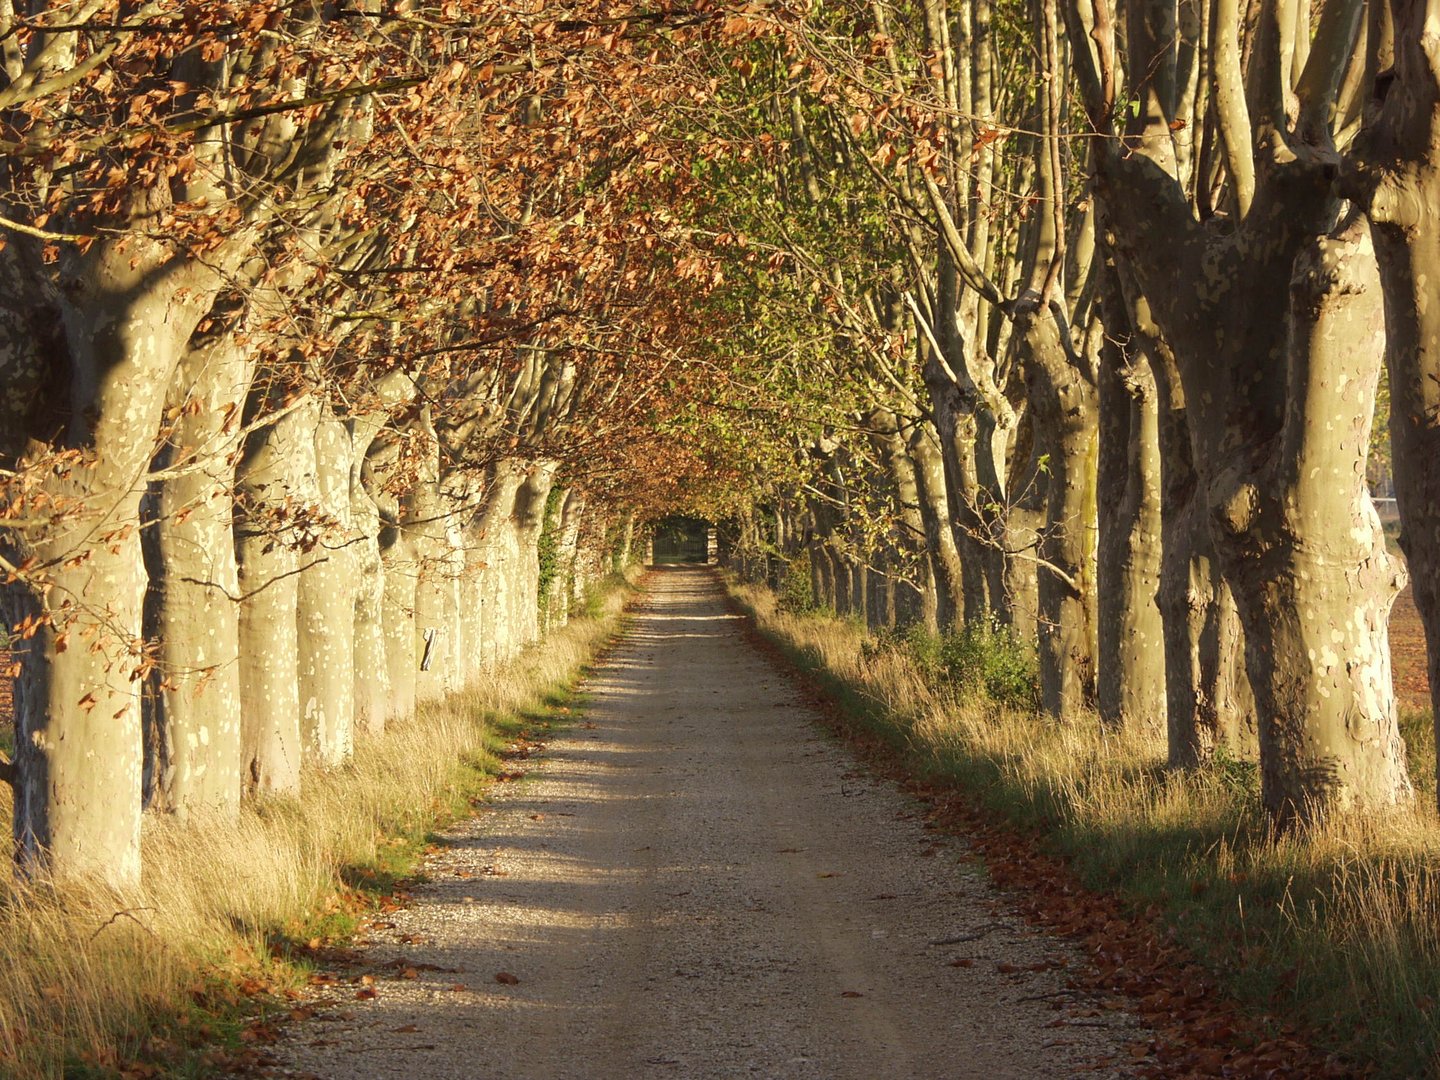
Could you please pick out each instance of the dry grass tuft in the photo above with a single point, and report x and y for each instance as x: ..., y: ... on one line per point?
x: 91, y: 980
x: 1338, y: 927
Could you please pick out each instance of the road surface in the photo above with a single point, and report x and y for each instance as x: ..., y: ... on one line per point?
x: 698, y: 881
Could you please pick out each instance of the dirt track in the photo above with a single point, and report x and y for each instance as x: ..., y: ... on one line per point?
x: 697, y: 883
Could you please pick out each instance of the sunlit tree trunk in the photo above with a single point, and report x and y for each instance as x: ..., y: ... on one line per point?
x: 909, y: 532
x: 1398, y: 179
x: 1063, y: 409
x: 528, y: 522
x: 371, y: 674
x: 1130, y: 643
x: 77, y: 702
x: 945, y: 565
x: 325, y: 598
x: 272, y: 483
x: 561, y: 597
x: 1306, y: 556
x: 196, y: 587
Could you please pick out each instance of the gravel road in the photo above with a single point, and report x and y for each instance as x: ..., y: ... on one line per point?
x: 697, y: 881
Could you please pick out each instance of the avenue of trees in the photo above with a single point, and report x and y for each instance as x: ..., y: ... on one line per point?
x: 320, y: 322
x: 1068, y: 315
x: 314, y: 320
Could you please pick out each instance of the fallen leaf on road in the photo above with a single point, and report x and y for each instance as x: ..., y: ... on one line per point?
x: 851, y: 993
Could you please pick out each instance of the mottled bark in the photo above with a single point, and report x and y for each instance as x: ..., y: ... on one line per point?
x: 1208, y: 703
x: 77, y: 704
x: 1130, y: 653
x: 371, y: 675
x: 496, y: 558
x: 1063, y: 410
x: 271, y: 482
x: 915, y: 595
x: 974, y: 532
x: 1399, y: 180
x: 1218, y: 290
x: 195, y: 587
x: 562, y: 597
x: 945, y: 566
x: 1302, y: 546
x: 435, y: 600
x: 325, y: 597
x: 529, y: 521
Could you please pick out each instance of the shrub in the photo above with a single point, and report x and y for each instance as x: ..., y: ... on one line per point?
x: 796, y: 594
x: 985, y: 658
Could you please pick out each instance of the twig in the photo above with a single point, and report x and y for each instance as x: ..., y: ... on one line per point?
x: 127, y: 913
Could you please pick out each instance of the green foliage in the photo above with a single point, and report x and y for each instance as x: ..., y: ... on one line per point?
x: 1235, y: 775
x: 796, y: 593
x: 549, y: 550
x: 986, y: 658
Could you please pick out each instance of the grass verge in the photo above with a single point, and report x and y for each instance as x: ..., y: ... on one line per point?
x: 1337, y: 929
x: 97, y: 984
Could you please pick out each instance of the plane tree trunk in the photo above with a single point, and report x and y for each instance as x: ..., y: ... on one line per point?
x: 1305, y: 554
x: 1063, y: 405
x: 1208, y: 703
x: 325, y: 598
x: 78, y: 719
x: 945, y: 564
x: 1220, y: 294
x: 271, y: 539
x: 1396, y: 175
x: 1130, y: 653
x: 196, y: 587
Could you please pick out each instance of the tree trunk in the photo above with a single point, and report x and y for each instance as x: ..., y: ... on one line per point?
x: 270, y: 482
x: 435, y: 600
x: 562, y: 597
x: 1130, y: 674
x: 325, y: 598
x: 1208, y: 703
x: 908, y: 532
x: 1400, y: 179
x: 371, y: 674
x: 1229, y: 338
x: 495, y: 559
x: 77, y: 703
x: 196, y: 591
x: 1063, y: 405
x: 1303, y: 548
x: 981, y: 562
x: 529, y: 522
x: 945, y: 566
x: 392, y: 493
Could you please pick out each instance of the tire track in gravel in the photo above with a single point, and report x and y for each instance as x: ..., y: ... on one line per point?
x: 698, y: 882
